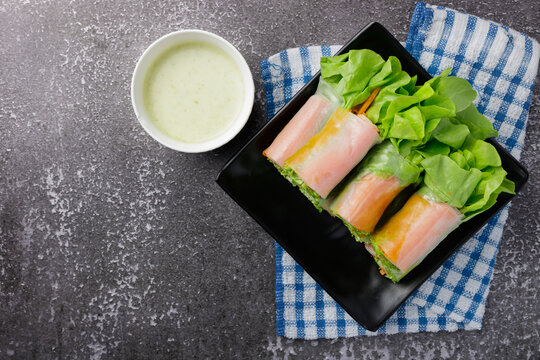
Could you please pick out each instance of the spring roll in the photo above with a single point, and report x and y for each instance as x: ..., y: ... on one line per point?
x: 308, y: 121
x: 454, y: 190
x: 363, y: 202
x: 332, y: 153
x: 412, y: 233
x: 379, y: 178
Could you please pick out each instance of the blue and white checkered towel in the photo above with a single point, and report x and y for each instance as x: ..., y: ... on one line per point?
x: 501, y: 64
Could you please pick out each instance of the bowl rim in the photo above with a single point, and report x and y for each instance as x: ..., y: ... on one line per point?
x: 179, y: 37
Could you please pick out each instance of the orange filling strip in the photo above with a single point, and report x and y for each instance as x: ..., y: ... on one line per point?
x: 365, y: 106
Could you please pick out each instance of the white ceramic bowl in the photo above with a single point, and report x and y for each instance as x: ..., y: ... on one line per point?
x: 155, y: 50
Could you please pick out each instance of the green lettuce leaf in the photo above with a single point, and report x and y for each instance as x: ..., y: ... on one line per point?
x: 331, y: 68
x: 400, y: 103
x: 434, y: 82
x: 485, y: 195
x: 483, y: 154
x: 458, y: 90
x: 479, y: 127
x: 406, y: 147
x: 438, y: 106
x: 350, y: 74
x: 387, y: 94
x: 385, y: 160
x: 450, y: 134
x: 461, y: 94
x: 460, y: 159
x: 432, y: 148
x: 469, y: 157
x: 408, y: 124
x: 448, y: 181
x: 390, y: 73
x: 415, y: 157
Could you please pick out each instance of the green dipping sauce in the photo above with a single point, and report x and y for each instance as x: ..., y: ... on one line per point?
x: 193, y: 92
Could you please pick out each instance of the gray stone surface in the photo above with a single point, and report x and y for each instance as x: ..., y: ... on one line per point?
x: 112, y: 246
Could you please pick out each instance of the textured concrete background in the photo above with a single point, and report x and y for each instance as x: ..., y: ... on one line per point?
x: 112, y: 246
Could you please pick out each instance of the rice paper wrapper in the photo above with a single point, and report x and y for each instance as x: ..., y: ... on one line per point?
x: 412, y: 233
x: 308, y: 121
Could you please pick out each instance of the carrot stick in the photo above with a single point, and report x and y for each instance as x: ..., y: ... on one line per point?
x: 367, y: 103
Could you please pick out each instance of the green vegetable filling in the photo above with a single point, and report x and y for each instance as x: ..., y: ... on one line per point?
x: 289, y: 174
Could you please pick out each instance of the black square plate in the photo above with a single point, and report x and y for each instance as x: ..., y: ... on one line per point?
x: 320, y: 243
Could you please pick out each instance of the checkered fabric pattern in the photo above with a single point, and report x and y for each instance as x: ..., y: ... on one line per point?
x: 501, y: 64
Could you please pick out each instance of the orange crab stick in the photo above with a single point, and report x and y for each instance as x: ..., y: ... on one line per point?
x: 414, y: 231
x: 363, y: 202
x: 308, y: 121
x: 333, y: 152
